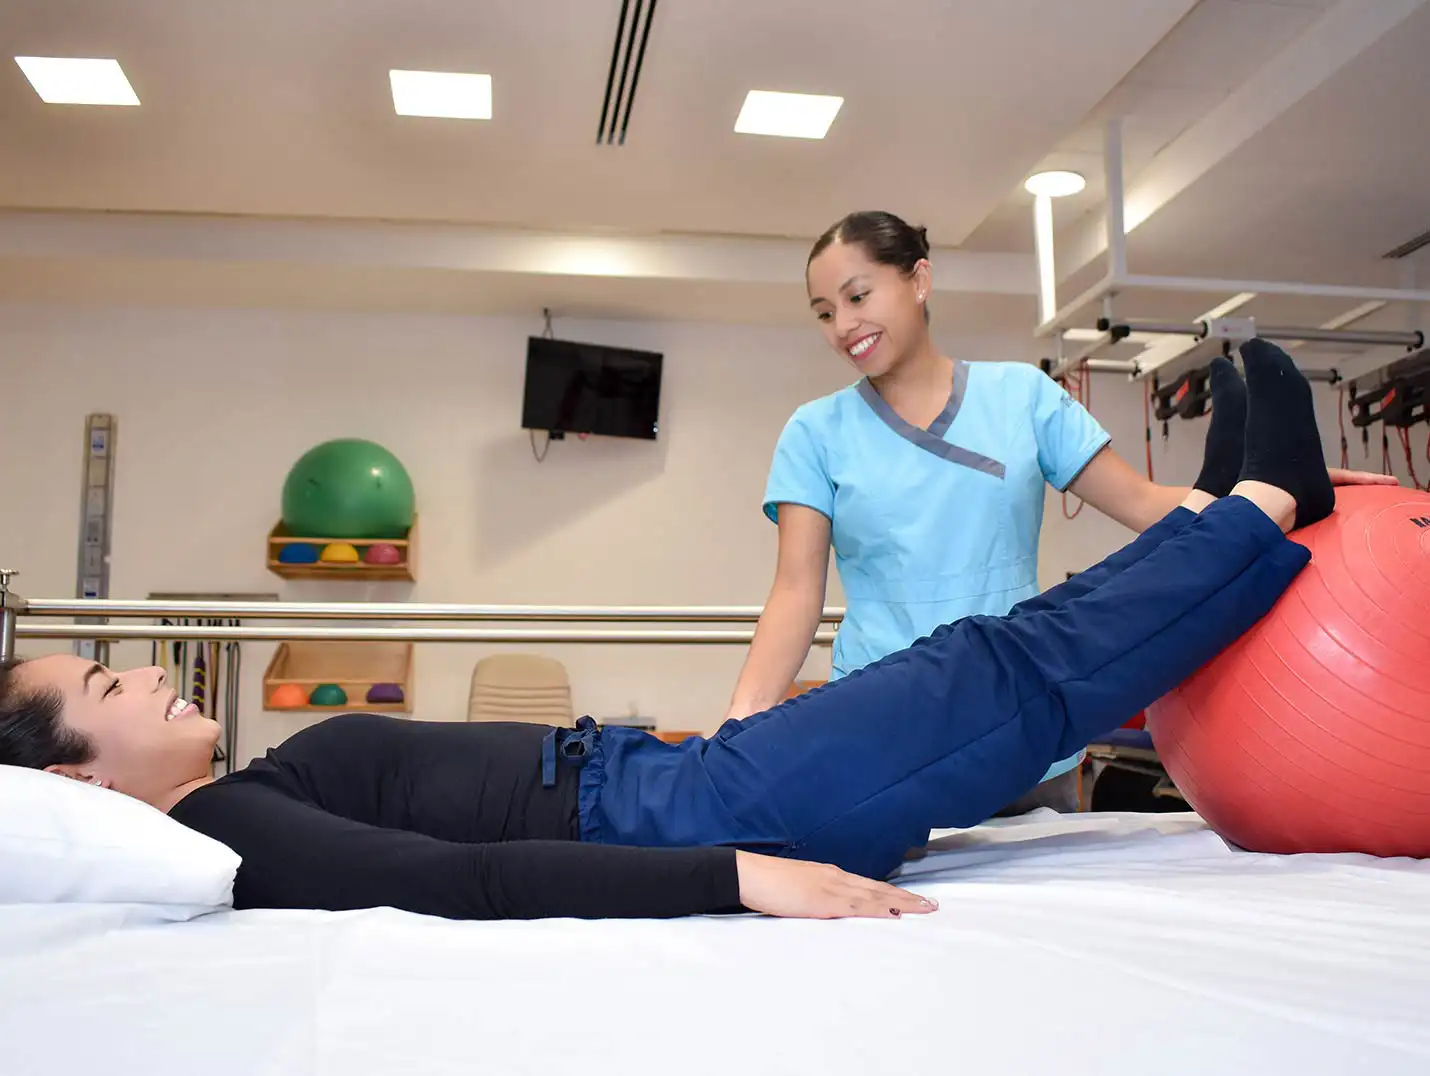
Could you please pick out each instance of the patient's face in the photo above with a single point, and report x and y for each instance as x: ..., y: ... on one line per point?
x: 147, y: 739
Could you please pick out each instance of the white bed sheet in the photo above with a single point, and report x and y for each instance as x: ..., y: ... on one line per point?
x: 1107, y: 944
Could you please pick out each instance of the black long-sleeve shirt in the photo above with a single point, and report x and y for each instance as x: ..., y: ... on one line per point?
x: 441, y: 818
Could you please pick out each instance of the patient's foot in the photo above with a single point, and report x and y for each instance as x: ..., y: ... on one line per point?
x: 1226, y: 437
x: 1283, y: 445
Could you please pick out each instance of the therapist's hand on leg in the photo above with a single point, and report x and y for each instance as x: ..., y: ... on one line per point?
x: 795, y: 889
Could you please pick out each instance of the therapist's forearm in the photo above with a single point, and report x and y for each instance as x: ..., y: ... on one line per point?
x: 1111, y: 486
x: 779, y: 649
x: 1155, y: 503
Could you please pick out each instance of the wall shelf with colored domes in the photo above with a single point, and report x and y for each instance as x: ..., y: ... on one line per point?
x: 338, y: 677
x: 349, y: 512
x: 294, y: 556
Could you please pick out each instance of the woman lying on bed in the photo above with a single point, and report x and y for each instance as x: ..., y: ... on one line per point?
x: 797, y: 811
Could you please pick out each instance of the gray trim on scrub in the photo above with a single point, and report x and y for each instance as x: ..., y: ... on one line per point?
x: 931, y: 439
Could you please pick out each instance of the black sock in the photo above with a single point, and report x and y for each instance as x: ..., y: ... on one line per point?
x: 1226, y: 437
x: 1283, y: 445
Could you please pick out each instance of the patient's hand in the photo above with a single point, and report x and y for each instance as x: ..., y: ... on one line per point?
x: 794, y: 889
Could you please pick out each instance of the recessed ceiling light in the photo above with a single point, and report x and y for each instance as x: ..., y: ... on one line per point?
x: 1055, y: 184
x: 446, y: 94
x: 787, y: 115
x: 68, y: 81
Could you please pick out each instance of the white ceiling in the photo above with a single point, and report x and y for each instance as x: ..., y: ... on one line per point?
x: 282, y: 108
x: 271, y: 116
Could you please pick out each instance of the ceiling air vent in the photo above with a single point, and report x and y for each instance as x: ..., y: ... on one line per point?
x: 1409, y: 247
x: 626, y: 57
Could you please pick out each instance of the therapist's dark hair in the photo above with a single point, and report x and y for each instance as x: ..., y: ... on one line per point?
x: 33, y: 733
x: 885, y: 238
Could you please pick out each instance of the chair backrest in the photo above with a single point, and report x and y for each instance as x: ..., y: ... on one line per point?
x: 520, y: 687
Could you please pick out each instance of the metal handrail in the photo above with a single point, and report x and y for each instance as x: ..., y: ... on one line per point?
x: 405, y: 611
x: 283, y: 633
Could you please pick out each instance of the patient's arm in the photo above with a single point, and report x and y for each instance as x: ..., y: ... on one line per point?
x: 298, y: 856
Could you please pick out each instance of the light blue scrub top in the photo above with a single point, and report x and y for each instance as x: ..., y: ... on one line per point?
x: 929, y: 526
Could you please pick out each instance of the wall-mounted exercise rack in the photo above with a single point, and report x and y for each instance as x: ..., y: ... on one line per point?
x: 96, y: 527
x: 209, y: 674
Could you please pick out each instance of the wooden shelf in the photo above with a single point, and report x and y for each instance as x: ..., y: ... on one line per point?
x: 800, y: 687
x: 673, y: 735
x: 299, y: 668
x: 404, y: 569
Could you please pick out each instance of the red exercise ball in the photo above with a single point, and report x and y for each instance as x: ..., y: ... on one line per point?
x: 1312, y: 732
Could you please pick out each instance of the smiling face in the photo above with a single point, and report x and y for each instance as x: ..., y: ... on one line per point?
x: 871, y: 313
x: 146, y: 740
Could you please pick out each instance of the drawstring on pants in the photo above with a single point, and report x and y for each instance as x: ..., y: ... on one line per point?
x: 573, y: 746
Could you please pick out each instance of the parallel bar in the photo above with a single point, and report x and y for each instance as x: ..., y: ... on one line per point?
x: 1283, y: 332
x: 1350, y: 317
x: 1061, y: 319
x: 1163, y: 328
x: 280, y: 633
x: 1172, y: 350
x: 398, y: 611
x: 1083, y: 336
x: 1112, y: 366
x: 1341, y: 336
x: 1275, y: 287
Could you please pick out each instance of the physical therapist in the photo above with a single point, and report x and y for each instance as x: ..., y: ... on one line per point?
x: 927, y: 477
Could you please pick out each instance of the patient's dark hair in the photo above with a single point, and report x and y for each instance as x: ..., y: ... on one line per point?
x: 32, y: 728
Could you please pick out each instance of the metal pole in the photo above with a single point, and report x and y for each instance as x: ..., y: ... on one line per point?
x: 10, y: 606
x: 1061, y: 319
x: 1116, y: 194
x: 1278, y: 332
x: 282, y: 633
x: 1043, y: 245
x: 1112, y: 366
x: 1342, y: 336
x: 234, y: 610
x: 1085, y: 353
x: 1127, y: 326
x: 1275, y: 287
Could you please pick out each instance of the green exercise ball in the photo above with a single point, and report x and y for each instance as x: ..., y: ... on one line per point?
x: 348, y: 488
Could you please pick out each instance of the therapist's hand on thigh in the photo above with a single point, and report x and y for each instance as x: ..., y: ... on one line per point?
x: 795, y: 889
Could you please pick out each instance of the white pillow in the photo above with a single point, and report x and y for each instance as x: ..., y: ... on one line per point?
x: 64, y: 841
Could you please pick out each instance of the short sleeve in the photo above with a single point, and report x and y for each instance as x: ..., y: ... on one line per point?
x: 1068, y: 436
x: 798, y: 474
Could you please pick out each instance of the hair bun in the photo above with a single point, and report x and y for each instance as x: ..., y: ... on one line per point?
x: 923, y: 234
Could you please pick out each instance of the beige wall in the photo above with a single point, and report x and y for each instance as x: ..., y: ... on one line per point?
x: 214, y: 406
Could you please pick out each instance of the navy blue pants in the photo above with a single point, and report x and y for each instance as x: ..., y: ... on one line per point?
x: 946, y: 732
